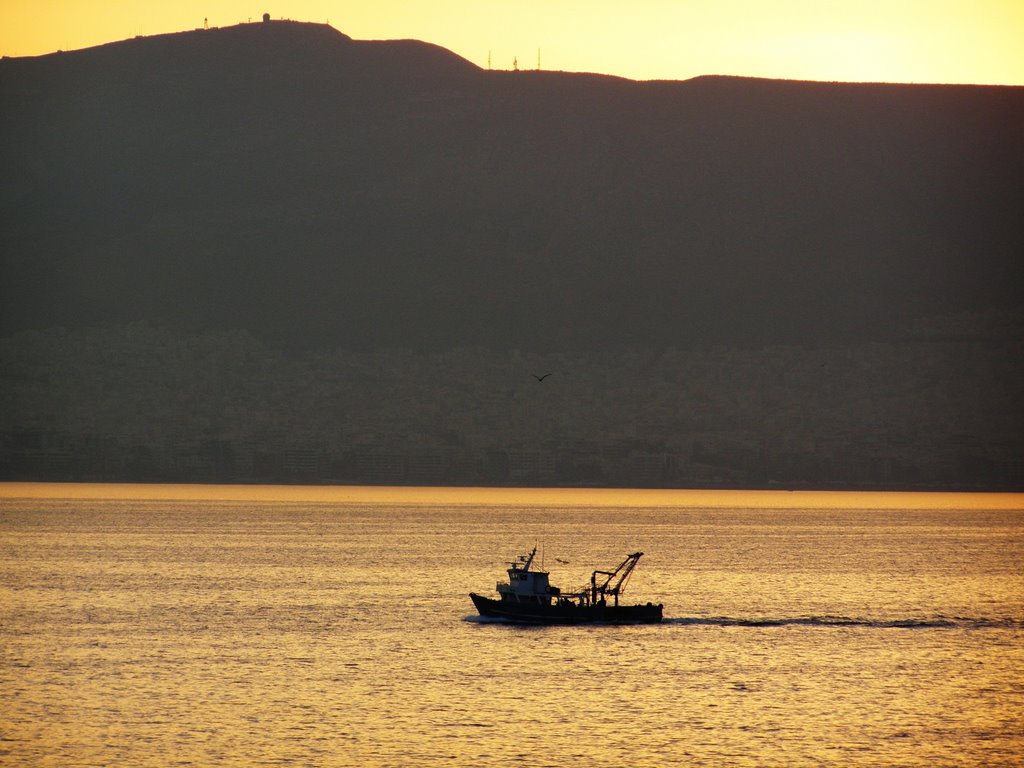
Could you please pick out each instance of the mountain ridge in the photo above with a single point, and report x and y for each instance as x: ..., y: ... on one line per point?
x: 276, y: 254
x: 317, y: 190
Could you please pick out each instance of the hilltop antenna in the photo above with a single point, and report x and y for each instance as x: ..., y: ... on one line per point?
x: 206, y: 23
x: 515, y: 63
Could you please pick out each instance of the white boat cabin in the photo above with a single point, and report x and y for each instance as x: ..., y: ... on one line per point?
x: 526, y: 586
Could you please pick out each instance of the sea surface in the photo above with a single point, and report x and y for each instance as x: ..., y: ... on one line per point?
x: 202, y: 626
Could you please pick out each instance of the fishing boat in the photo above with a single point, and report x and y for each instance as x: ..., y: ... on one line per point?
x: 528, y: 598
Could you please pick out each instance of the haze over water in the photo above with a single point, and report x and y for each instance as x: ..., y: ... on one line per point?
x: 332, y: 627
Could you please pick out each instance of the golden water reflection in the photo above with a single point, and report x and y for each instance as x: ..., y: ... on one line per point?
x: 154, y: 625
x: 527, y: 497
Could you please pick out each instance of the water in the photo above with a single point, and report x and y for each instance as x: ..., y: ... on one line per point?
x: 308, y: 629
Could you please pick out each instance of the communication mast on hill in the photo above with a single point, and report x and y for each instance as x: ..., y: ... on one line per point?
x: 538, y: 59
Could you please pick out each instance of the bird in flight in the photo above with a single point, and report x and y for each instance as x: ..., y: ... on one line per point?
x: 540, y: 378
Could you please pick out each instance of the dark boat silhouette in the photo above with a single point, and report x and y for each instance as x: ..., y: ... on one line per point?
x: 528, y: 598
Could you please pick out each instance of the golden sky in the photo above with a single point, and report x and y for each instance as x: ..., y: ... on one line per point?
x: 937, y: 41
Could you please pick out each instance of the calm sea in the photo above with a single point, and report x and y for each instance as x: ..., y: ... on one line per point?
x: 317, y: 627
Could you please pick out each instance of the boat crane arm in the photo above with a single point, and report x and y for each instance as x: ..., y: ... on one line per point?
x: 620, y: 576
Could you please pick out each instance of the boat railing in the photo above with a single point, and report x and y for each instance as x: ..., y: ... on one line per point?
x: 579, y: 595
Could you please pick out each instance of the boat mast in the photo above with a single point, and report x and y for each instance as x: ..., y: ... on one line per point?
x: 522, y: 563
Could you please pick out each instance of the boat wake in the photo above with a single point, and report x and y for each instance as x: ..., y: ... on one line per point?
x: 932, y: 622
x: 485, y: 619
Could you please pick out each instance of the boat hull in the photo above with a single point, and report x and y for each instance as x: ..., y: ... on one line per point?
x: 566, y: 613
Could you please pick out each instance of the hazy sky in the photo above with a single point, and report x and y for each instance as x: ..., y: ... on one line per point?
x: 948, y: 41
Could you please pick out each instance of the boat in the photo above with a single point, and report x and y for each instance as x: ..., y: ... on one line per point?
x: 528, y: 598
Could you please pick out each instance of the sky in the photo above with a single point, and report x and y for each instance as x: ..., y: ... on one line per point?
x: 922, y: 41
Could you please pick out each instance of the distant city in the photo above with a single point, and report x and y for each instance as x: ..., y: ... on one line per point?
x: 145, y: 404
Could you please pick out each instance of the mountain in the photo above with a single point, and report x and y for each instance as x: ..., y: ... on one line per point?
x: 320, y: 191
x: 273, y: 253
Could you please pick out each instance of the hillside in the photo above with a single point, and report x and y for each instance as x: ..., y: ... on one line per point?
x: 271, y: 253
x: 320, y: 191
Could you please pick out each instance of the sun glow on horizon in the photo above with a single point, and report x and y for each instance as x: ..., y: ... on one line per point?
x: 524, y: 497
x: 943, y: 41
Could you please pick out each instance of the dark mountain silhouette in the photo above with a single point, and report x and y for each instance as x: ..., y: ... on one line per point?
x: 317, y: 190
x: 273, y: 253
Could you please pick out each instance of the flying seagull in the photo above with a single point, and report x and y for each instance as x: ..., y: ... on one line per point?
x: 540, y: 378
